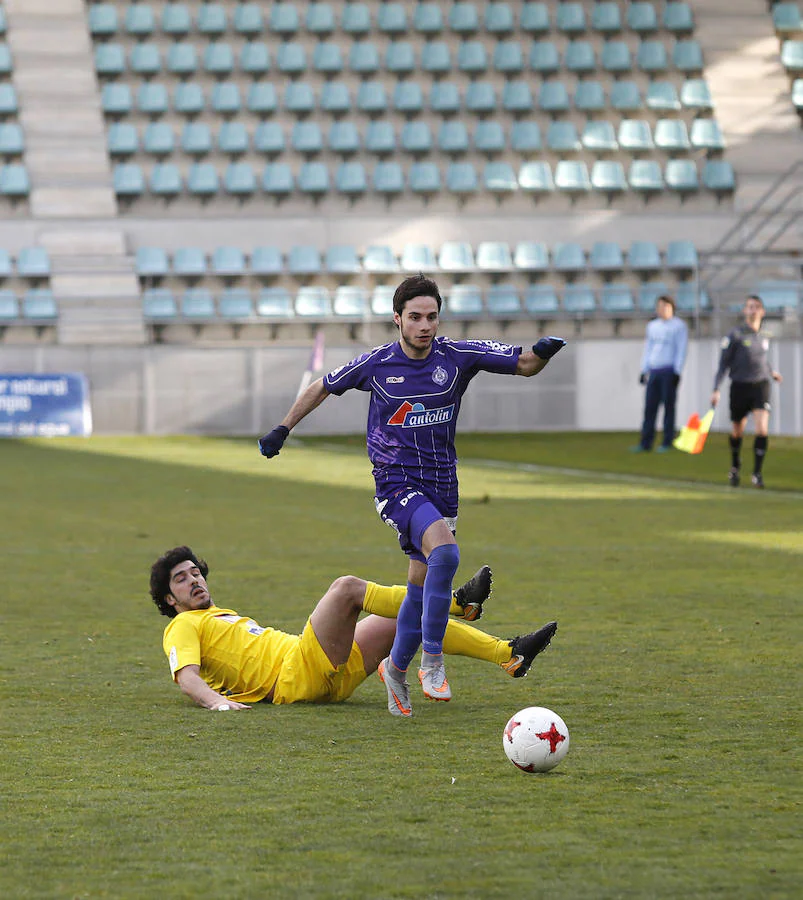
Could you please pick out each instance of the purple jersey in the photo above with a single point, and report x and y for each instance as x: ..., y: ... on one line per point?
x: 413, y: 411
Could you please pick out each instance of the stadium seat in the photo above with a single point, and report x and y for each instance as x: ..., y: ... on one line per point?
x: 642, y: 18
x: 6, y: 268
x: 400, y: 57
x: 274, y: 303
x: 599, y: 136
x: 531, y: 256
x: 648, y: 295
x: 102, y: 20
x: 140, y: 20
x: 14, y: 181
x: 159, y: 303
x: 494, y: 256
x: 461, y: 179
x: 787, y: 19
x: 544, y: 58
x: 424, y: 178
x: 651, y: 57
x: 343, y: 138
x: 681, y: 177
x: 436, y: 58
x: 464, y: 301
x: 707, y: 135
x: 39, y: 304
x: 570, y: 18
x: 643, y: 256
x: 203, y: 180
x: 463, y: 18
x: 320, y: 19
x: 364, y: 58
x: 695, y: 94
x: 540, y: 300
x: 335, y: 98
x: 606, y: 257
x: 778, y: 295
x: 327, y: 58
x: 284, y: 19
x: 525, y: 137
x: 408, y: 97
x: 350, y: 302
x: 291, y: 59
x: 151, y: 262
x: 299, y: 98
x: 235, y: 303
x: 197, y: 303
x: 379, y: 258
x: 392, y: 19
x: 534, y: 18
x: 579, y: 299
x: 452, y: 138
x: 498, y: 18
x: 678, y: 18
x: 615, y: 57
x: 158, y: 139
x: 571, y: 177
x: 481, y: 97
x: 218, y: 59
x: 254, y: 59
x: 553, y: 97
x: 306, y: 138
x: 662, y: 96
x: 304, y: 260
x: 189, y: 262
x: 416, y: 137
x: 228, y: 262
x: 211, y: 20
x: 342, y: 259
x: 503, y: 300
x: 152, y: 99
x: 427, y: 18
x: 589, y: 97
x: 266, y: 262
x: 444, y: 98
x: 382, y: 300
x: 681, y: 256
x: 33, y: 262
x: 109, y: 60
x: 188, y: 99
x: 568, y: 257
x: 489, y: 137
x: 121, y: 139
x: 182, y: 59
x: 562, y: 137
x: 350, y: 179
x: 371, y: 98
x: 356, y: 19
x: 127, y: 179
x: 456, y: 256
x: 687, y: 56
x: 262, y: 99
x: 535, y: 177
x: 418, y: 258
x: 380, y: 138
x: 508, y: 58
x: 645, y: 177
x: 616, y: 298
x: 672, y: 136
x: 625, y: 96
x: 269, y: 138
x: 248, y: 19
x: 718, y: 176
x: 115, y: 100
x: 579, y: 57
x: 472, y: 58
x: 635, y: 136
x: 145, y: 60
x: 606, y: 18
x: 226, y: 98
x: 691, y: 298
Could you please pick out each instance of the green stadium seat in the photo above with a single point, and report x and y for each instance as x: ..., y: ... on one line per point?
x: 140, y: 20
x: 687, y: 56
x: 14, y: 181
x: 544, y: 58
x: 291, y: 59
x: 371, y: 98
x: 33, y: 262
x: 306, y: 138
x: 540, y: 300
x: 436, y: 58
x: 643, y: 256
x: 525, y: 137
x: 109, y: 60
x: 472, y: 57
x: 534, y: 18
x: 299, y: 98
x: 418, y: 258
x: 589, y: 97
x: 198, y: 304
x: 678, y: 18
x: 606, y: 18
x: 672, y: 136
x: 254, y: 59
x: 553, y: 97
x: 343, y: 138
x: 494, y: 256
x: 531, y: 256
x: 233, y: 139
x: 188, y: 99
x: 228, y: 262
x: 219, y: 59
x: 176, y: 20
x: 779, y: 294
x: 196, y: 139
x: 408, y: 98
x: 502, y: 300
x: 787, y: 19
x: 342, y: 259
x: 182, y: 59
x: 599, y: 136
x: 266, y: 262
x: 464, y: 301
x: 488, y: 138
x: 648, y: 295
x: 691, y: 298
x: 498, y: 19
x: 151, y: 262
x: 718, y: 176
x: 248, y: 19
x: 380, y: 258
x: 456, y: 256
x: 416, y: 137
x: 350, y: 179
x: 680, y: 176
x: 461, y: 179
x: 615, y: 57
x: 159, y: 139
x: 645, y: 177
x: 203, y: 180
x: 356, y: 19
x: 579, y: 299
x: 427, y: 18
x: 608, y: 177
x: 681, y: 256
x: 570, y: 18
x: 651, y: 57
x: 707, y: 135
x: 159, y: 304
x: 39, y: 304
x: 235, y: 303
x: 275, y: 303
x: 314, y: 302
x: 152, y: 99
x: 452, y: 138
x: 304, y: 259
x: 481, y: 97
x: 616, y: 298
x: 145, y: 60
x: 662, y: 96
x: 464, y: 18
x: 568, y: 257
x: 388, y: 179
x: 284, y: 19
x: 392, y: 19
x: 562, y: 137
x: 424, y: 178
x: 121, y: 139
x: 642, y: 18
x: 444, y: 98
x: 327, y: 58
x: 102, y: 20
x: 189, y: 262
x: 635, y: 136
x: 508, y: 58
x: 579, y: 57
x: 212, y: 20
x: 262, y: 99
x: 382, y: 300
x: 127, y: 179
x: 625, y: 96
x: 499, y: 178
x: 606, y: 257
x: 226, y: 98
x: 535, y: 177
x: 364, y: 58
x: 350, y: 302
x: 695, y: 94
x: 400, y: 57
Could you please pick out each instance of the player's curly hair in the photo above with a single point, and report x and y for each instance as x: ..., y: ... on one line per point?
x: 160, y: 576
x: 415, y: 286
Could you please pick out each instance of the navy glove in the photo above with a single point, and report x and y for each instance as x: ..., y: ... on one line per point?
x: 272, y: 442
x: 547, y: 347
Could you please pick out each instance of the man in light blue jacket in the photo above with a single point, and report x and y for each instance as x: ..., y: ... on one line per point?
x: 661, y: 368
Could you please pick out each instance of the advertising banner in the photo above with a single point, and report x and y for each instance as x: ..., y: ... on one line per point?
x: 44, y: 405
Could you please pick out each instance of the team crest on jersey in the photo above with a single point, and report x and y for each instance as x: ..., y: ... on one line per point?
x: 440, y: 376
x: 415, y: 415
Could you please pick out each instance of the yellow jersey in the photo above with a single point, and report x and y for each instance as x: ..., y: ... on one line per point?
x: 236, y: 656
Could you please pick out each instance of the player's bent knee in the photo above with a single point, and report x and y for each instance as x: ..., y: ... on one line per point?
x: 349, y: 588
x: 446, y: 555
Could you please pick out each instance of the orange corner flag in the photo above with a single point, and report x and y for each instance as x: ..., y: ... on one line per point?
x: 693, y: 434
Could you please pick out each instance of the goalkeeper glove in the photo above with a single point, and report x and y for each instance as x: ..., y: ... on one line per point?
x: 547, y: 347
x: 272, y: 442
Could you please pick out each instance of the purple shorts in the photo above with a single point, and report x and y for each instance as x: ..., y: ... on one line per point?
x: 409, y: 512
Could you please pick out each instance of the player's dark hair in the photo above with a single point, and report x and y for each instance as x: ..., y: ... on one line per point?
x: 160, y: 576
x: 667, y: 299
x: 756, y: 298
x: 415, y: 286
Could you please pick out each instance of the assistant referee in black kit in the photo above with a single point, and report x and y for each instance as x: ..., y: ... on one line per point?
x: 744, y: 355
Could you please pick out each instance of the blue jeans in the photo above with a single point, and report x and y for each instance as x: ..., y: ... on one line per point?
x: 661, y: 391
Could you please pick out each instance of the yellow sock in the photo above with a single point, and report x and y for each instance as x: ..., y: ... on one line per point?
x: 382, y: 600
x: 462, y: 639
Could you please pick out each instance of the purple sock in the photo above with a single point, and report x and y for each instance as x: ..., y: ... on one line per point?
x: 442, y: 564
x: 408, y: 627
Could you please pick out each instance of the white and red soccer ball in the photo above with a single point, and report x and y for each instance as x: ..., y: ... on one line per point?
x: 536, y: 739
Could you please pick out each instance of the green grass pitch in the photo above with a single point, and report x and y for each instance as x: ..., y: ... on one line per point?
x: 676, y: 669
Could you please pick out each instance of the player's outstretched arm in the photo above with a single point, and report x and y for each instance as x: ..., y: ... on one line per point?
x: 191, y: 683
x: 271, y: 443
x: 531, y: 362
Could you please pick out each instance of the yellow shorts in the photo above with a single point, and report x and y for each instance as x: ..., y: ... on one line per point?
x: 307, y: 675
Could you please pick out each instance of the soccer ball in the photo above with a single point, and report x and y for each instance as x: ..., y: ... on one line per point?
x: 536, y: 739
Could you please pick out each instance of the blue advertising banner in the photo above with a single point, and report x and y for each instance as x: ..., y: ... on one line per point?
x: 44, y: 406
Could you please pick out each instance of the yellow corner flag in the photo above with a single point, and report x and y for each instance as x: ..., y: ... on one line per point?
x: 693, y: 434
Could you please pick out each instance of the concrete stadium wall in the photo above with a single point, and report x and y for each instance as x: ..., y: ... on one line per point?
x: 239, y: 390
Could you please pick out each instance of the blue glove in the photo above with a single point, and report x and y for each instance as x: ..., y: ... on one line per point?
x: 272, y: 442
x: 547, y: 347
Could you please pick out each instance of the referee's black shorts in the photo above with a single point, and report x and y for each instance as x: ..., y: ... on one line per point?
x: 747, y: 396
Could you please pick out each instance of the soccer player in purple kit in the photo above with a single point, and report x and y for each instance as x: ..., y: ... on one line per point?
x: 416, y: 385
